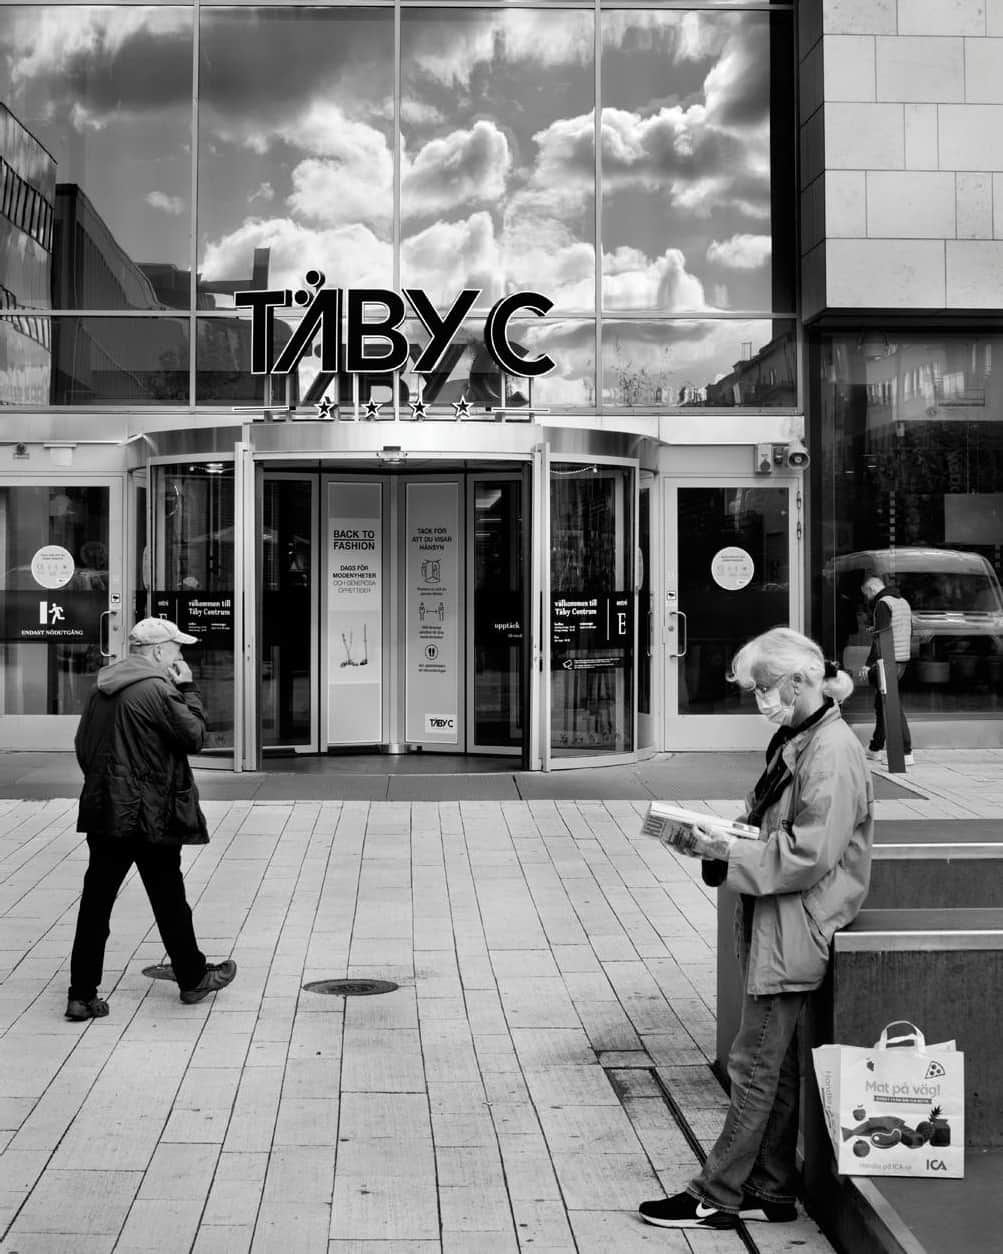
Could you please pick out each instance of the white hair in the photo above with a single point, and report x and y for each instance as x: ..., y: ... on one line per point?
x: 768, y: 658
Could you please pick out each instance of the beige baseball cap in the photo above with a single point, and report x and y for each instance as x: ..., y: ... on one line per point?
x: 159, y: 631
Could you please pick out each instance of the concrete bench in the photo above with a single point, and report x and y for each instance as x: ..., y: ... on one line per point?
x: 918, y: 864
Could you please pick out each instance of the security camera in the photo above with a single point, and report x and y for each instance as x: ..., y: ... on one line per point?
x: 797, y: 455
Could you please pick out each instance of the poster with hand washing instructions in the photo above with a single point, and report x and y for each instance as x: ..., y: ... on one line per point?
x: 432, y: 613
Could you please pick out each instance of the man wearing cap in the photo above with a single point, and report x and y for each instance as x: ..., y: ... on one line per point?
x: 139, y: 805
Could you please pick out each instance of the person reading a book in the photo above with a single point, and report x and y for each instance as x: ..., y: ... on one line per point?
x: 803, y: 879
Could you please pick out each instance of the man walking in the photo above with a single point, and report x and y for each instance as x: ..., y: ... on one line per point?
x: 889, y: 609
x: 139, y: 805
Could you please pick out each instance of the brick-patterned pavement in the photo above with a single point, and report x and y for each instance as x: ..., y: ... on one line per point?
x: 557, y: 977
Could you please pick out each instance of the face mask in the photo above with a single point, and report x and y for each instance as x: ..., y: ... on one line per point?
x: 773, y: 709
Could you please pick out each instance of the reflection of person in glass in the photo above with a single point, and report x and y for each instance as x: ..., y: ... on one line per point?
x: 888, y: 609
x: 804, y: 878
x: 139, y: 804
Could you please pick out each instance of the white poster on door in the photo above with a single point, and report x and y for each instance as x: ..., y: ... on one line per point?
x: 354, y: 543
x: 432, y: 614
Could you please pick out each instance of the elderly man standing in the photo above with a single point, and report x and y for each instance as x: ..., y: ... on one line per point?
x: 139, y: 805
x: 889, y: 608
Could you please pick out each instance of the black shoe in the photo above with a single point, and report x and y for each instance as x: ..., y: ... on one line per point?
x: 217, y: 975
x: 684, y: 1211
x: 78, y: 1010
x: 758, y: 1210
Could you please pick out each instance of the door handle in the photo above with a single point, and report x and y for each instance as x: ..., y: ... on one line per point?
x: 101, y: 632
x: 651, y: 632
x: 684, y: 633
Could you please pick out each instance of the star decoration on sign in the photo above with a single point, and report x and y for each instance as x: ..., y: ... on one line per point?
x: 462, y: 407
x: 419, y: 409
x: 324, y: 407
x: 373, y: 409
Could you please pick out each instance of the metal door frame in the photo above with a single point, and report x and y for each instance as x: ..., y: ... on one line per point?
x: 56, y: 731
x: 718, y: 731
x: 649, y: 725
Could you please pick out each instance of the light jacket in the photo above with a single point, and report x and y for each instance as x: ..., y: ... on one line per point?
x: 810, y: 869
x: 132, y: 745
x: 891, y: 610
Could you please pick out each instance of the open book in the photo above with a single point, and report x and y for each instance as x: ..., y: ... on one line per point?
x: 668, y: 823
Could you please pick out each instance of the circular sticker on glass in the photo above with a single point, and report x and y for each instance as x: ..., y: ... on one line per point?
x: 52, y: 566
x: 732, y: 568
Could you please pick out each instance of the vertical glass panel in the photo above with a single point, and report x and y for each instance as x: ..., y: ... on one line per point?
x: 53, y: 591
x: 645, y: 639
x: 93, y: 361
x: 689, y: 187
x: 498, y: 613
x: 734, y: 582
x: 286, y: 616
x: 193, y: 579
x: 592, y: 609
x: 498, y: 153
x: 96, y: 141
x: 296, y: 148
x: 911, y: 478
x: 687, y: 362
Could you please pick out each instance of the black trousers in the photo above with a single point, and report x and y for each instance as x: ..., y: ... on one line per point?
x: 159, y: 867
x: 878, y: 739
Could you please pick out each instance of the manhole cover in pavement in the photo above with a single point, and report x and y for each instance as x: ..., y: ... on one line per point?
x: 351, y: 988
x: 161, y: 971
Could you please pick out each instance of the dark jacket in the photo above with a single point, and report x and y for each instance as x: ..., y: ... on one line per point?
x: 132, y: 746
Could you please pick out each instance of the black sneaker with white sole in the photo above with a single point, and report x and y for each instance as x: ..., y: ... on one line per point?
x: 758, y: 1210
x: 684, y: 1211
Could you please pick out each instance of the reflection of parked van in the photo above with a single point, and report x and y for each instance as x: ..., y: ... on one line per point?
x: 955, y: 596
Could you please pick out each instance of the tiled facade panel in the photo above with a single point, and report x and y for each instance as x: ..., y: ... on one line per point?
x: 912, y: 154
x: 920, y: 70
x: 974, y: 273
x: 885, y: 273
x: 910, y: 205
x: 864, y: 136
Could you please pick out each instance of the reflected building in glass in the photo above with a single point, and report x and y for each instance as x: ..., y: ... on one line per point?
x: 707, y: 218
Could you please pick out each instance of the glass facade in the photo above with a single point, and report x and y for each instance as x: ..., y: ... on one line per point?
x: 908, y: 487
x: 630, y: 164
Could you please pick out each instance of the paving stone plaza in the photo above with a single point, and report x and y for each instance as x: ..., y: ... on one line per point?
x: 542, y: 1067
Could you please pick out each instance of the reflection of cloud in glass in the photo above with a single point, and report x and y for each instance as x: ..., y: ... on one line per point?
x: 463, y: 167
x: 350, y: 256
x: 741, y: 252
x: 108, y: 61
x: 449, y: 49
x: 168, y: 204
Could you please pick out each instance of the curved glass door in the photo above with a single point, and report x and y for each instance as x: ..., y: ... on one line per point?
x: 190, y: 579
x: 592, y: 610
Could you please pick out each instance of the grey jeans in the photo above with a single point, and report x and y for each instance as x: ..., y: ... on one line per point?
x: 756, y: 1151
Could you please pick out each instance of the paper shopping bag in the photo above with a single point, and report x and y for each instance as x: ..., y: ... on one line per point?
x: 897, y: 1109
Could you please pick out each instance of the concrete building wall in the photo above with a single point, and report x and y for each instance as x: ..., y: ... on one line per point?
x: 901, y: 131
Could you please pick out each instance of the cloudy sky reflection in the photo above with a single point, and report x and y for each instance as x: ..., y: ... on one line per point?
x: 497, y: 160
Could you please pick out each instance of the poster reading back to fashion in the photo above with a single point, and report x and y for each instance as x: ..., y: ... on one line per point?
x: 432, y: 595
x: 354, y: 613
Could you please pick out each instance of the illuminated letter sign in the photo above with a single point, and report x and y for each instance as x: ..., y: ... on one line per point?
x: 377, y: 345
